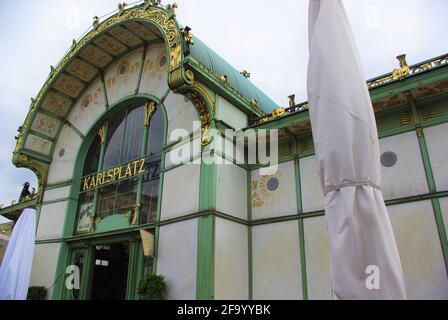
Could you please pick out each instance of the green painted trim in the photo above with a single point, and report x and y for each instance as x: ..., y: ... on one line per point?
x: 205, y: 277
x: 57, y: 200
x: 41, y: 135
x: 409, y: 83
x: 58, y: 185
x: 301, y: 232
x: 59, y: 240
x: 38, y: 156
x: 205, y: 259
x: 249, y: 234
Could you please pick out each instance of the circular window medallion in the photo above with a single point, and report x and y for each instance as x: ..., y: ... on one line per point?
x: 388, y: 159
x: 61, y: 152
x: 162, y: 61
x: 272, y: 184
x: 86, y: 103
x: 122, y: 69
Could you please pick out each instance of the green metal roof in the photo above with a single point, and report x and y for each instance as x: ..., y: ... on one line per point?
x: 218, y: 66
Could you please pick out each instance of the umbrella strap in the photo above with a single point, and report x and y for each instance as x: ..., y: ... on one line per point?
x: 352, y: 184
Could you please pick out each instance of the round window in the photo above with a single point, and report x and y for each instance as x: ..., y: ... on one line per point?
x: 86, y: 103
x: 272, y: 184
x: 388, y: 159
x: 123, y: 68
x: 61, y: 152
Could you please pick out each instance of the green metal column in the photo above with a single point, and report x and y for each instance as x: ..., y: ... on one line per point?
x: 430, y: 179
x: 206, y: 229
x: 300, y: 210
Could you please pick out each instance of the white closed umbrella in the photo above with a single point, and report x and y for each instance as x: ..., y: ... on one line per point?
x: 15, y: 271
x: 364, y: 260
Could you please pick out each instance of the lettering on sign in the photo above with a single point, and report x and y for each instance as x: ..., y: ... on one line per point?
x: 120, y: 172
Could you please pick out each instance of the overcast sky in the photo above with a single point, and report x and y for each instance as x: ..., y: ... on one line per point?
x: 267, y: 38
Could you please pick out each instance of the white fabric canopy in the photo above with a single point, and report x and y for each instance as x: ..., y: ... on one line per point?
x: 347, y: 149
x: 15, y: 271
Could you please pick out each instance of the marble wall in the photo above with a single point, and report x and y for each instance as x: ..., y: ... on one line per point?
x: 438, y: 154
x: 276, y: 261
x: 44, y: 265
x: 231, y: 260
x: 278, y: 199
x: 420, y: 250
x: 407, y: 177
x: 177, y: 258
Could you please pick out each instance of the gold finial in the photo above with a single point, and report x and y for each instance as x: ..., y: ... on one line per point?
x: 223, y: 79
x: 404, y: 68
x: 245, y: 74
x: 51, y: 69
x: 292, y: 100
x: 187, y: 35
x: 150, y: 108
x: 74, y: 43
x: 33, y: 100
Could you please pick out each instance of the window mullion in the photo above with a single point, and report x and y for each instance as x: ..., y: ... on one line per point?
x: 103, y: 134
x: 143, y: 150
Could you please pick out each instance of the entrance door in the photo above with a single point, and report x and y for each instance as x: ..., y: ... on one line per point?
x: 110, y: 271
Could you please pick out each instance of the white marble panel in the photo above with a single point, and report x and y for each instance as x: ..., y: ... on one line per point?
x: 231, y: 197
x: 312, y: 197
x: 122, y: 77
x: 89, y: 107
x: 230, y: 114
x: 438, y: 154
x: 317, y: 258
x: 279, y: 202
x: 155, y: 71
x: 45, y: 261
x: 180, y: 191
x: 64, y: 157
x: 51, y: 221
x: 183, y: 153
x: 181, y: 114
x: 407, y: 177
x: 56, y: 194
x: 177, y: 258
x: 276, y: 261
x: 231, y: 261
x: 420, y: 250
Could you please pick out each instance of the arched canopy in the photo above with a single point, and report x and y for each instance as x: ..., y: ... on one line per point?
x: 193, y: 70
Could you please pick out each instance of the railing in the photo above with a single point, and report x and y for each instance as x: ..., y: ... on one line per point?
x: 403, y: 72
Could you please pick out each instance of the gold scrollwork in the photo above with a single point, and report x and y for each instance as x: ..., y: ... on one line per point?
x: 150, y: 108
x: 102, y: 133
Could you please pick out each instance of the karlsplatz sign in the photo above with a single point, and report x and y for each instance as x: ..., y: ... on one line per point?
x: 117, y: 173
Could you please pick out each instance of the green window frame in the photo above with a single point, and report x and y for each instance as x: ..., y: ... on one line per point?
x: 142, y: 137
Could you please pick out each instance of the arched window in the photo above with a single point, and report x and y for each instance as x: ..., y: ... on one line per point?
x: 121, y: 171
